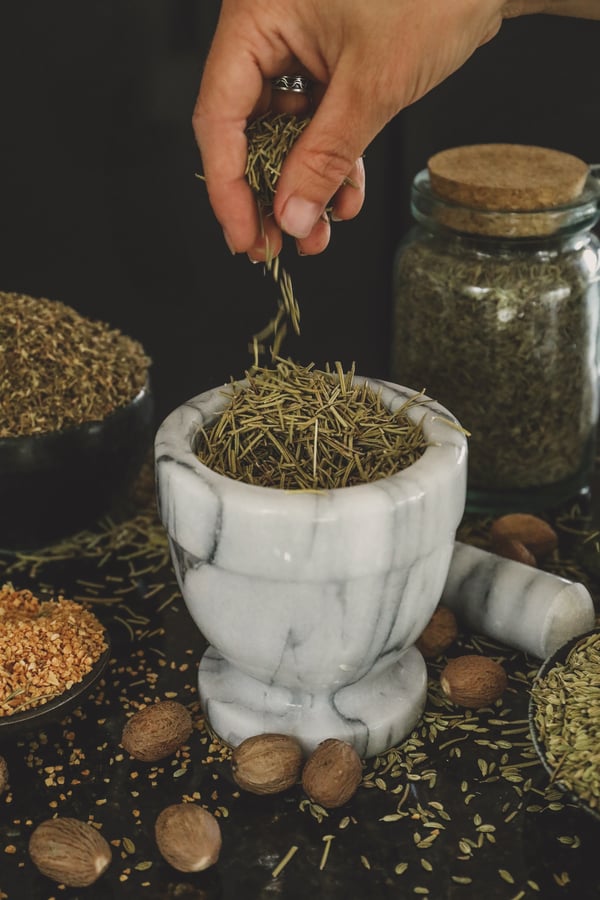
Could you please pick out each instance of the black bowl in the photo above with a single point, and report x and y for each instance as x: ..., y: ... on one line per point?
x: 559, y: 656
x: 56, y: 483
x: 32, y: 719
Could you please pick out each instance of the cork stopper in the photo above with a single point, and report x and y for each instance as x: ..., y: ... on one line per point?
x: 507, y: 176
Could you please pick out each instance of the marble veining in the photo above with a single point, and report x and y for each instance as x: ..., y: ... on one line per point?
x: 519, y: 605
x: 311, y: 602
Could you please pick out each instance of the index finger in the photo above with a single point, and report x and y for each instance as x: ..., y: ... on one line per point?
x: 229, y: 91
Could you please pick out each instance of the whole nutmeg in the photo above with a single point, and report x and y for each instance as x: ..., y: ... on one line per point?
x: 156, y: 731
x: 511, y: 548
x: 188, y: 837
x: 69, y: 851
x: 473, y: 681
x: 332, y: 773
x: 440, y: 633
x: 3, y: 775
x: 536, y: 534
x: 267, y: 763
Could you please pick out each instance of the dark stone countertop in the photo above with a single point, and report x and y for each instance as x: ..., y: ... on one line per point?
x: 462, y: 809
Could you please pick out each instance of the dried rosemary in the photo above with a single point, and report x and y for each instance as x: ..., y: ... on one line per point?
x: 299, y: 428
x: 60, y: 369
x: 567, y: 718
x: 288, y: 311
x: 270, y: 139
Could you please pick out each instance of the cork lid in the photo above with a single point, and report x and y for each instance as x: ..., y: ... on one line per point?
x: 507, y: 176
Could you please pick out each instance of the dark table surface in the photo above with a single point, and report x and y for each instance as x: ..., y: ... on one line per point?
x: 462, y: 809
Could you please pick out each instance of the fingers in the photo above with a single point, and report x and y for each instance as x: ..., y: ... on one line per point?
x: 322, y: 172
x: 325, y: 167
x: 292, y: 103
x: 317, y: 240
x: 232, y: 91
x: 346, y: 204
x: 268, y: 242
x: 349, y: 199
x: 230, y: 195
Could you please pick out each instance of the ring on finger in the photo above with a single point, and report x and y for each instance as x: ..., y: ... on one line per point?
x: 296, y: 84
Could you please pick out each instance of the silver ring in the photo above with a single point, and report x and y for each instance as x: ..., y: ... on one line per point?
x: 298, y: 84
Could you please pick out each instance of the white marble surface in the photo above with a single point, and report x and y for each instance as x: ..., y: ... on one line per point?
x: 314, y: 597
x: 375, y: 713
x: 519, y: 605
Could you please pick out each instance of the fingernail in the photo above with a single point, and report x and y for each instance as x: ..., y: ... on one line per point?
x: 299, y: 217
x: 253, y: 260
x: 229, y: 243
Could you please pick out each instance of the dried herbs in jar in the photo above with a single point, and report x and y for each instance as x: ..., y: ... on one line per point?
x: 496, y: 315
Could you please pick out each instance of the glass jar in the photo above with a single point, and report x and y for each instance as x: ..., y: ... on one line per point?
x: 496, y: 316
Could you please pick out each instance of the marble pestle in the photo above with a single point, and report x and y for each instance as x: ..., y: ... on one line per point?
x: 518, y: 605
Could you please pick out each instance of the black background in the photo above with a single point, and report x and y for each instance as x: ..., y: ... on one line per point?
x: 100, y: 206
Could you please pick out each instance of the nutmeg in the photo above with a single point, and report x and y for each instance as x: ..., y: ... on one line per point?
x: 332, y: 773
x: 267, y: 763
x: 536, y: 534
x: 188, y: 837
x: 156, y: 731
x: 511, y: 548
x: 440, y: 633
x: 69, y: 851
x: 3, y: 775
x: 473, y: 681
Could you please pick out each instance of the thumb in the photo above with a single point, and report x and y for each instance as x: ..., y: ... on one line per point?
x: 324, y: 156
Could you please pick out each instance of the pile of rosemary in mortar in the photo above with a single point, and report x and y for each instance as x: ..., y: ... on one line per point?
x: 299, y: 428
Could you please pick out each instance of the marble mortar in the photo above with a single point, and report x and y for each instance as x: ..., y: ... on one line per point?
x: 311, y: 602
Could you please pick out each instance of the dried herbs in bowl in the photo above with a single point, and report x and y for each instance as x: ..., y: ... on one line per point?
x: 564, y: 715
x: 76, y: 418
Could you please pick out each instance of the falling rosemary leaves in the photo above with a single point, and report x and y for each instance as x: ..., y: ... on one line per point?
x: 60, y: 369
x: 298, y: 428
x: 270, y: 138
x: 295, y: 427
x: 566, y: 702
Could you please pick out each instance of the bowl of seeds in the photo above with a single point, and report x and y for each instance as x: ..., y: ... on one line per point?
x: 76, y: 418
x: 564, y: 716
x: 52, y: 654
x: 311, y: 517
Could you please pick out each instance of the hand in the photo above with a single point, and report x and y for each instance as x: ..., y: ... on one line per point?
x: 368, y: 58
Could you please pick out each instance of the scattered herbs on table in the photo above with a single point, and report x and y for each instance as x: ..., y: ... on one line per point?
x: 433, y: 797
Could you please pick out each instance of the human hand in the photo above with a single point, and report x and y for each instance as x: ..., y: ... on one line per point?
x: 368, y: 59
